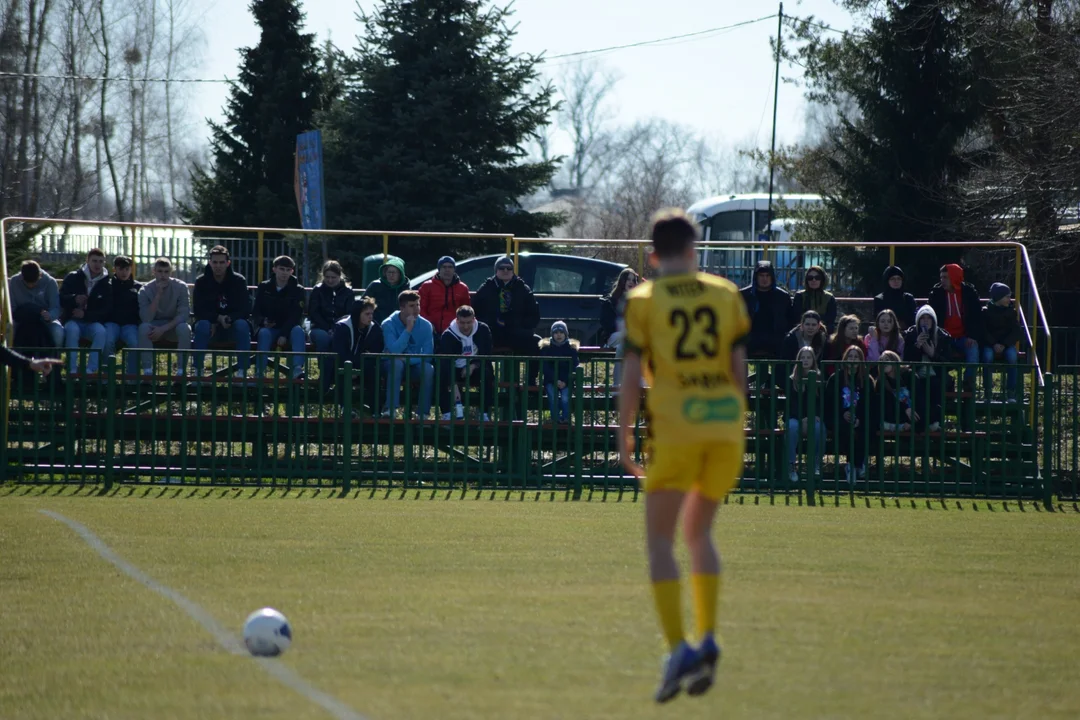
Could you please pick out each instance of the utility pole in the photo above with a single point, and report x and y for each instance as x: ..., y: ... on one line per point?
x: 776, y: 98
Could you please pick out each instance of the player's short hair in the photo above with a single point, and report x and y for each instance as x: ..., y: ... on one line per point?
x: 284, y: 261
x: 121, y: 261
x: 466, y: 311
x: 672, y: 232
x: 407, y: 296
x: 163, y: 262
x: 95, y: 252
x: 219, y: 250
x: 365, y: 303
x: 810, y: 315
x: 30, y: 271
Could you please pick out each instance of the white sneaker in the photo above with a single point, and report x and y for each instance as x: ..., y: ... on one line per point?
x: 486, y: 417
x: 239, y: 375
x: 459, y: 411
x: 933, y: 427
x: 862, y: 471
x: 446, y: 416
x: 387, y: 414
x: 849, y: 474
x: 793, y: 476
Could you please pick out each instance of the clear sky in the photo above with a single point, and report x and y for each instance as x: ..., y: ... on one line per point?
x: 721, y: 84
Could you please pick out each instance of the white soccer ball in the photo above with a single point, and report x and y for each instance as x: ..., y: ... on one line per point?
x: 267, y: 633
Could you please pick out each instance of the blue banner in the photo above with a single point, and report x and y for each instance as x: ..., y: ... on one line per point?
x: 309, y: 181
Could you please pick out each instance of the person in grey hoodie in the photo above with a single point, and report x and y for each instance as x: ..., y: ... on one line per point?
x: 164, y: 311
x: 35, y: 307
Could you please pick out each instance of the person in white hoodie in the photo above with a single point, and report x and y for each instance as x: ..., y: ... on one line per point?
x: 469, y: 339
x: 86, y: 298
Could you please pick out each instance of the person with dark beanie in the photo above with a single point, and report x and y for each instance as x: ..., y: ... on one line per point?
x: 1001, y: 333
x: 894, y: 298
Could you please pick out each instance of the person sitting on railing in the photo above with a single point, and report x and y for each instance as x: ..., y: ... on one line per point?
x: 884, y: 335
x: 846, y: 336
x: 86, y: 298
x: 611, y: 327
x: 808, y: 333
x: 278, y: 314
x: 358, y: 339
x: 164, y: 310
x: 814, y: 296
x: 799, y: 412
x: 557, y: 372
x: 845, y: 410
x: 406, y: 333
x: 769, y: 307
x: 894, y: 298
x: 35, y: 307
x: 467, y: 339
x: 222, y: 306
x: 926, y: 345
x: 441, y: 296
x: 123, y: 323
x: 385, y: 290
x: 1001, y: 333
x: 959, y: 311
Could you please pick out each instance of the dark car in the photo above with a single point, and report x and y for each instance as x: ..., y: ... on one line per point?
x: 567, y: 287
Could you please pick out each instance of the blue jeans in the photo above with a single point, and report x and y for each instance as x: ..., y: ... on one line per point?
x: 794, y: 433
x: 396, y: 373
x: 75, y: 330
x: 268, y: 337
x: 1009, y: 356
x: 564, y: 402
x: 241, y: 332
x: 130, y: 335
x: 971, y: 356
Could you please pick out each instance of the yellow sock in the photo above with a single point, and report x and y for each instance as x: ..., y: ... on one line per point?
x: 668, y: 597
x: 706, y: 596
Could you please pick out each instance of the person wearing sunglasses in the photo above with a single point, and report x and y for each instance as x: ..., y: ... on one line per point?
x: 815, y: 297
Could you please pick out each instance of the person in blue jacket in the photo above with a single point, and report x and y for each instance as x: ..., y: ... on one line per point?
x: 406, y: 333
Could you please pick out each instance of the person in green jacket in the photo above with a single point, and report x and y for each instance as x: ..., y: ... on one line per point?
x: 392, y: 281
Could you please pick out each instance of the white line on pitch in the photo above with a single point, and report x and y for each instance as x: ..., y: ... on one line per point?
x: 224, y: 638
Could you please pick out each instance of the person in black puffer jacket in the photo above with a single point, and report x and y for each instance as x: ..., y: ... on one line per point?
x: 123, y: 323
x: 1001, y: 333
x: 329, y: 301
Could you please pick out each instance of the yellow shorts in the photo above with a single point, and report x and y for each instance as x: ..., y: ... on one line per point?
x: 713, y: 470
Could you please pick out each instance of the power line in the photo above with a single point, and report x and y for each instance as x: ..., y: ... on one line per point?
x: 579, y: 53
x: 643, y: 43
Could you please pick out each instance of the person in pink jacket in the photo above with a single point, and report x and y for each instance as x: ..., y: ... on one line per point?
x: 884, y: 335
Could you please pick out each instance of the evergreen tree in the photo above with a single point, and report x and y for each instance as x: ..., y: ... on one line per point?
x: 275, y: 98
x: 893, y: 168
x: 431, y: 132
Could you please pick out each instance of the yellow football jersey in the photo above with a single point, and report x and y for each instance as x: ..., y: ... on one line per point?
x: 685, y: 327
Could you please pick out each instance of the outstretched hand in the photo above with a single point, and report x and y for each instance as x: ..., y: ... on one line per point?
x: 43, y: 365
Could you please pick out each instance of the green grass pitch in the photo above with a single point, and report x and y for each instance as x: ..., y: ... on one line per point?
x: 526, y: 608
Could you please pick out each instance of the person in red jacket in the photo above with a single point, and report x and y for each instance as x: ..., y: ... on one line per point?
x: 442, y: 295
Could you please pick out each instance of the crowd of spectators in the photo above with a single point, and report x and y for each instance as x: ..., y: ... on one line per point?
x: 392, y: 336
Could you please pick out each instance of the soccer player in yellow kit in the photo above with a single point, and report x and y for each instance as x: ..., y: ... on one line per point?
x: 683, y: 331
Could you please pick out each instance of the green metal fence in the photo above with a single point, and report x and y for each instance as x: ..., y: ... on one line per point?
x: 330, y: 429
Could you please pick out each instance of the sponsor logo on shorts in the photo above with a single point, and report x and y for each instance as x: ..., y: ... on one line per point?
x: 711, y: 410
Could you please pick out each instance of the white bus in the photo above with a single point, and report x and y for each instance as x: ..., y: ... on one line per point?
x: 743, y: 218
